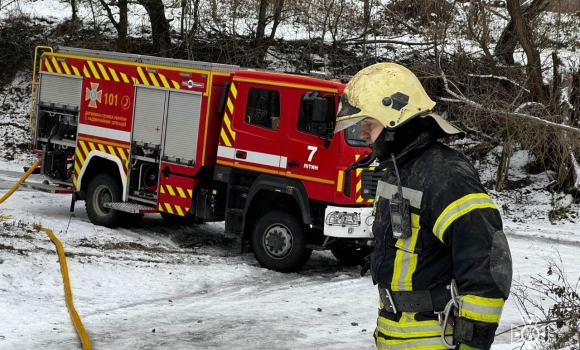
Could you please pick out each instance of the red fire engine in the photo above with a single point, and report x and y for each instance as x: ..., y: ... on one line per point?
x: 196, y: 141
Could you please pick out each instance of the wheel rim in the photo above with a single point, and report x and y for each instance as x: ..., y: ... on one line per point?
x: 277, y: 241
x: 102, y: 195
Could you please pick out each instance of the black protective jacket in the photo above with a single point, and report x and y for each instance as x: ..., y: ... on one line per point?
x: 456, y: 234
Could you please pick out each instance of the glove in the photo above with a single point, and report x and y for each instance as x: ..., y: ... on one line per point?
x: 366, y: 266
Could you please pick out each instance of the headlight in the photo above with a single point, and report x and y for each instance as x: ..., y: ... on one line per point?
x: 338, y: 218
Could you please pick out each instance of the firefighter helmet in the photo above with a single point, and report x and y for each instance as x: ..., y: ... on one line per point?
x: 389, y: 93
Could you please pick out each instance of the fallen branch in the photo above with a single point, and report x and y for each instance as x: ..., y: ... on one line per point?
x: 495, y: 77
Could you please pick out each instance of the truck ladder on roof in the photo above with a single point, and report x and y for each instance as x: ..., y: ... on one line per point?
x: 160, y: 61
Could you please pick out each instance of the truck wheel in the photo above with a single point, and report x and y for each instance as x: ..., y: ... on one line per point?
x: 350, y: 256
x: 102, y: 189
x: 279, y: 243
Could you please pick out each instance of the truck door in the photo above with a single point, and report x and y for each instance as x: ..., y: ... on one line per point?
x: 259, y: 128
x: 311, y: 159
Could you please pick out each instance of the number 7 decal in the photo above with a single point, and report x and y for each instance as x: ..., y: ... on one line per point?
x: 312, y: 150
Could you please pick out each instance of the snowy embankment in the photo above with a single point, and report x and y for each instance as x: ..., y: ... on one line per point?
x: 156, y: 287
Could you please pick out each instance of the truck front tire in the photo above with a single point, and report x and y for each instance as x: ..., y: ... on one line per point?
x: 279, y: 243
x: 102, y: 189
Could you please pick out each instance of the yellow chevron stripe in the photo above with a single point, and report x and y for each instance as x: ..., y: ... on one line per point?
x: 234, y: 90
x: 103, y: 71
x: 66, y: 69
x: 190, y: 192
x: 135, y: 80
x: 84, y: 148
x: 162, y: 190
x: 230, y: 106
x: 153, y: 79
x: 75, y: 181
x: 112, y: 151
x: 92, y: 146
x: 80, y: 157
x: 225, y: 138
x: 179, y: 211
x: 124, y: 77
x: 164, y: 81
x: 143, y: 78
x: 56, y: 66
x: 159, y: 207
x: 102, y: 148
x: 229, y: 126
x: 114, y: 74
x: 86, y: 72
x: 181, y: 193
x: 170, y: 189
x: 76, y: 70
x: 122, y: 153
x: 94, y: 70
x: 168, y: 208
x: 47, y: 65
x: 77, y: 168
x: 175, y: 84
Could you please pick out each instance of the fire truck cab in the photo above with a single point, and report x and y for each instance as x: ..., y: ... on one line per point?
x: 199, y: 142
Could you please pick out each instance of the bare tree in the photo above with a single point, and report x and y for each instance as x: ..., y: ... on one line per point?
x: 120, y: 25
x: 159, y: 26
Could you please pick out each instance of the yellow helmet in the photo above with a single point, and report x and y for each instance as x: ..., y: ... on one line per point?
x: 389, y: 93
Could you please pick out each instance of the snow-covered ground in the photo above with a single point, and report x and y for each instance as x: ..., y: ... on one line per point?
x: 159, y: 287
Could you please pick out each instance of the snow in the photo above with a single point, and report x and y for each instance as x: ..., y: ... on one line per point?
x: 157, y: 287
x: 179, y: 287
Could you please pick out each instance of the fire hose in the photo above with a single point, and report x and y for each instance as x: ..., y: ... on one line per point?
x: 85, y: 341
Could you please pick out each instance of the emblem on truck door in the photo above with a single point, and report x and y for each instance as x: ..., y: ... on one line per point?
x: 94, y: 95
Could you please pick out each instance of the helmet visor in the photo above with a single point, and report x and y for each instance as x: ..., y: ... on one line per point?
x: 345, y: 123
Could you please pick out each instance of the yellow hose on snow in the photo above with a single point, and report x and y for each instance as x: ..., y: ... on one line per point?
x: 20, y: 182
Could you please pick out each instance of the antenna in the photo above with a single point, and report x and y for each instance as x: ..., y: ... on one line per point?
x: 400, y: 187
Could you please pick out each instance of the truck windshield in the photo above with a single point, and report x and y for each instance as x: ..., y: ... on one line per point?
x: 352, y: 136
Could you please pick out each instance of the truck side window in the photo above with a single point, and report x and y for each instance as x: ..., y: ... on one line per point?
x: 305, y: 115
x: 263, y: 108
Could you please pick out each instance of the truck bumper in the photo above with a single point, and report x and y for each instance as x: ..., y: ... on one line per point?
x: 344, y: 222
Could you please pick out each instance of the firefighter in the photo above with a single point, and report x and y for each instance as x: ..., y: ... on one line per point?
x: 441, y: 260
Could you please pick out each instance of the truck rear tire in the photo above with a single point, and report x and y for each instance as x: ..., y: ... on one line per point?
x: 279, y: 243
x: 102, y: 189
x: 351, y: 256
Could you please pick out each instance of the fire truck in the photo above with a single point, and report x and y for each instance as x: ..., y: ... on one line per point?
x: 200, y: 142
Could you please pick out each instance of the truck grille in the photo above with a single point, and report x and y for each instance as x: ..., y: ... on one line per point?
x: 370, y: 180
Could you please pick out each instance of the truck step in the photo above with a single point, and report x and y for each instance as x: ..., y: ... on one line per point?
x: 235, y: 211
x: 132, y: 208
x: 240, y: 188
x: 47, y: 188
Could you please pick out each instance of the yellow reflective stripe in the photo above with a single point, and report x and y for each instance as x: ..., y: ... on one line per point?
x: 103, y: 71
x: 144, y: 80
x: 190, y: 192
x: 405, y: 262
x: 164, y: 81
x: 56, y: 66
x: 234, y: 90
x: 229, y: 126
x: 77, y: 168
x: 114, y: 74
x: 122, y: 153
x: 230, y: 106
x: 407, y: 328
x: 66, y: 69
x: 168, y: 208
x: 111, y: 151
x: 162, y: 189
x: 340, y: 180
x: 459, y: 208
x: 86, y: 72
x: 160, y: 207
x: 93, y: 70
x: 92, y: 146
x: 79, y: 155
x: 153, y: 79
x: 225, y: 138
x: 75, y: 182
x: 181, y: 193
x: 175, y: 84
x: 124, y: 77
x: 76, y: 70
x: 179, y: 211
x: 434, y: 343
x: 84, y: 148
x: 102, y: 148
x: 47, y: 65
x: 170, y: 189
x: 481, y: 309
